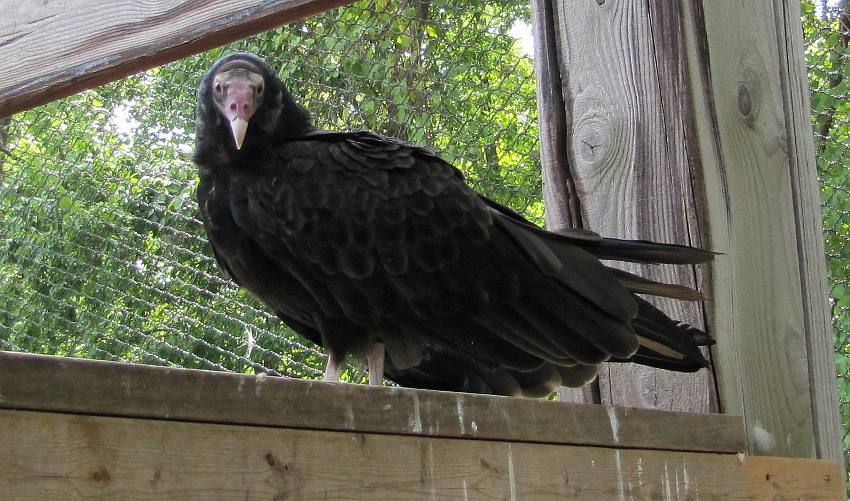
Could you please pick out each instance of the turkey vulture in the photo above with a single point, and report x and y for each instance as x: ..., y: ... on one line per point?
x: 378, y: 249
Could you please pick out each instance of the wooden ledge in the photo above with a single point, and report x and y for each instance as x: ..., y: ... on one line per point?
x: 46, y: 383
x: 49, y: 455
x: 83, y: 429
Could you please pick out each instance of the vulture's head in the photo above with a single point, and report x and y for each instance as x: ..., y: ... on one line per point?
x: 242, y: 104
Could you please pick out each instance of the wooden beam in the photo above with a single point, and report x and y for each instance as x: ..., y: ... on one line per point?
x: 625, y: 134
x: 559, y: 191
x: 805, y: 191
x: 46, y: 383
x: 560, y: 197
x: 756, y: 168
x: 54, y: 49
x: 688, y: 122
x: 64, y: 456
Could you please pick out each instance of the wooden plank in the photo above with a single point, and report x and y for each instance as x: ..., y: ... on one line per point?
x: 38, y: 382
x: 752, y: 121
x: 563, y: 206
x: 559, y: 191
x: 748, y: 123
x: 810, y: 243
x: 719, y: 87
x: 626, y: 137
x: 62, y: 456
x: 60, y: 48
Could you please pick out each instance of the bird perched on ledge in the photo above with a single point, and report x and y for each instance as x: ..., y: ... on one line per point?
x: 378, y: 249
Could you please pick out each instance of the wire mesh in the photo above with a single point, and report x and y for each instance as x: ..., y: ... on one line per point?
x: 826, y: 27
x: 102, y: 254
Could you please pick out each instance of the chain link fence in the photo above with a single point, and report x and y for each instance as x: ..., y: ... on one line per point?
x: 827, y: 32
x: 102, y: 254
x: 101, y: 251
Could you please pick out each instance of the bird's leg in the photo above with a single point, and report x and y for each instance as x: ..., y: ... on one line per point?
x: 332, y: 370
x: 375, y: 360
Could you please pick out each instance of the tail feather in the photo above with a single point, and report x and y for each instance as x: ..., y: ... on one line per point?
x: 640, y: 251
x: 571, y: 316
x: 641, y: 285
x: 643, y: 251
x: 665, y: 343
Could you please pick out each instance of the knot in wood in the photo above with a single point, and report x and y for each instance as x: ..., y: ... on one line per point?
x: 101, y: 475
x: 745, y: 100
x: 592, y: 132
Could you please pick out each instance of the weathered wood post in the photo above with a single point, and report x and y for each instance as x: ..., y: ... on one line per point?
x: 688, y: 122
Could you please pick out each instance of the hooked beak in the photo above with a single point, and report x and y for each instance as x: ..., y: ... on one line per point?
x: 239, y: 108
x: 239, y: 126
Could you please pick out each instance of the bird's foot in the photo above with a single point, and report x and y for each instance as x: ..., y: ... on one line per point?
x: 375, y: 360
x: 333, y: 369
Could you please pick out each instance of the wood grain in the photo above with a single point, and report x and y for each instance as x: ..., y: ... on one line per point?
x: 62, y: 456
x: 563, y: 206
x: 623, y: 91
x: 810, y: 243
x: 743, y: 121
x: 753, y: 216
x: 559, y: 192
x: 38, y: 382
x: 688, y: 122
x: 60, y: 48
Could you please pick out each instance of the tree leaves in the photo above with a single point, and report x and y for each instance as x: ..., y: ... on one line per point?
x: 827, y: 33
x: 102, y: 254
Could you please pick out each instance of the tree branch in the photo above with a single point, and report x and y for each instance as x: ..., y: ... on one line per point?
x: 838, y: 77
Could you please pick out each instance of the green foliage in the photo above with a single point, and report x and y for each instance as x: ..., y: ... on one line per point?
x: 827, y: 32
x: 102, y: 254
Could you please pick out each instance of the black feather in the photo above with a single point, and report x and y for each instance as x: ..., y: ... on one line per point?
x: 353, y: 239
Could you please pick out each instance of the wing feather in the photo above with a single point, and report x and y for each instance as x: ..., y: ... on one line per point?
x: 387, y: 237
